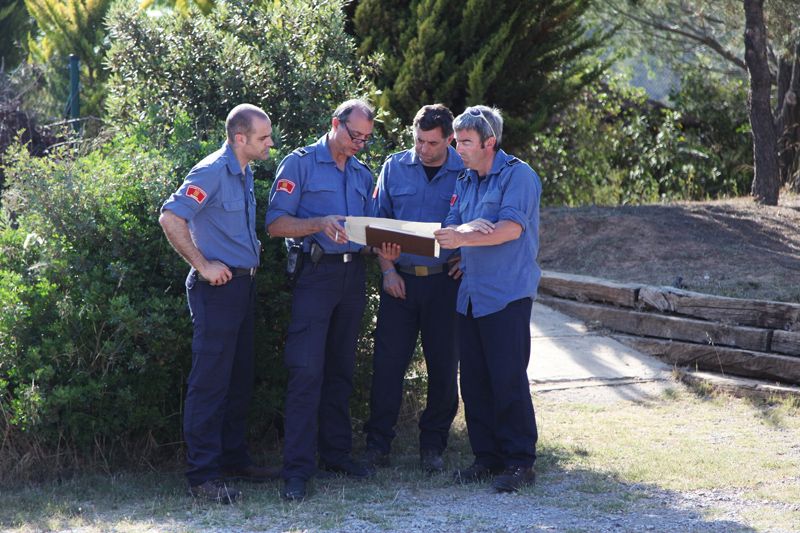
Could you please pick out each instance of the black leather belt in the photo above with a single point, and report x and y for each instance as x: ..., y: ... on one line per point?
x: 237, y: 273
x: 421, y: 270
x: 334, y: 258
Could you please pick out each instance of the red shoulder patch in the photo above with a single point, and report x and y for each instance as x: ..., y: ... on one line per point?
x: 285, y: 186
x: 196, y: 193
x: 453, y: 200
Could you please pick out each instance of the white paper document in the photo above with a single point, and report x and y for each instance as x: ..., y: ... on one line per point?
x: 356, y: 227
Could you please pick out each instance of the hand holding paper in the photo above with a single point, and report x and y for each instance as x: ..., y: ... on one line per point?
x: 412, y: 237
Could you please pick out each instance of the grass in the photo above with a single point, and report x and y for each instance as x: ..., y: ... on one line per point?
x: 685, y: 442
x: 618, y: 458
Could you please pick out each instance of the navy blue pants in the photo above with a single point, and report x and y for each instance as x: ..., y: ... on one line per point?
x: 429, y: 309
x: 327, y: 307
x: 221, y: 380
x: 495, y: 350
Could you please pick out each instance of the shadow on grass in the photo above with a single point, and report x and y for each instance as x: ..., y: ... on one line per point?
x: 399, y: 498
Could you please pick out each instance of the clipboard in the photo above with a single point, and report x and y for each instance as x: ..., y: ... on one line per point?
x: 409, y: 241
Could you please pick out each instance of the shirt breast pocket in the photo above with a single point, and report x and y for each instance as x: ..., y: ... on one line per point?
x: 231, y: 206
x: 490, y: 206
x: 233, y: 215
x: 402, y: 197
x: 319, y: 197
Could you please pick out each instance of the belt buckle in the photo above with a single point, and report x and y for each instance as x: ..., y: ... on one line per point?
x: 346, y: 258
x: 420, y: 270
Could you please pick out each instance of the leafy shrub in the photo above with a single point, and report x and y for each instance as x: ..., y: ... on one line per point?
x: 94, y: 328
x: 92, y: 341
x: 17, y: 120
x: 615, y: 147
x: 291, y: 58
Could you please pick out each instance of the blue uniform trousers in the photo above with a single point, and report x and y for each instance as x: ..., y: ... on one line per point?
x: 327, y: 307
x: 221, y: 380
x: 429, y: 309
x: 495, y: 350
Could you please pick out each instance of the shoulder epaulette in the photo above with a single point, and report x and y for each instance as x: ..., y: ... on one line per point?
x: 363, y: 164
x: 514, y: 161
x: 304, y: 151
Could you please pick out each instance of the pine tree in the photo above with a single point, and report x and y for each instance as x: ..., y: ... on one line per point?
x: 71, y: 27
x: 527, y: 57
x: 15, y: 23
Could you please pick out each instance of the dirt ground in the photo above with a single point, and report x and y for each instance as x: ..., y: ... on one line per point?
x: 727, y: 247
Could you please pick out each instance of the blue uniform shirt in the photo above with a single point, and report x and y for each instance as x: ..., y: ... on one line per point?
x: 308, y: 184
x: 495, y: 276
x: 404, y: 193
x: 218, y: 201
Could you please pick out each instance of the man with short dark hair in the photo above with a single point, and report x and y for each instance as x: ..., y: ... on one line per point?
x: 495, y: 222
x: 210, y: 221
x: 418, y: 294
x: 315, y: 188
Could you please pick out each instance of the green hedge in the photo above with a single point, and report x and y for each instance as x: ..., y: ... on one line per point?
x: 94, y: 328
x: 613, y: 146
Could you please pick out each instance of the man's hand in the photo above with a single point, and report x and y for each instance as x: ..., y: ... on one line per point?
x: 332, y: 227
x: 448, y: 238
x: 216, y: 273
x: 389, y: 251
x: 394, y: 285
x: 455, y: 271
x: 479, y: 224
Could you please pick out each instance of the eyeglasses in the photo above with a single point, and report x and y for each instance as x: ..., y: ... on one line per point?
x: 357, y: 137
x: 475, y: 112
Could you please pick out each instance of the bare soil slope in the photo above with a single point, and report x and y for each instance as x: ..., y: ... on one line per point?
x: 728, y: 247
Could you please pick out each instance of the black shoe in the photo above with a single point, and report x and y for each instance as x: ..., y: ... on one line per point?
x: 349, y: 468
x: 475, y: 473
x: 252, y: 473
x: 294, y: 489
x: 431, y: 461
x: 375, y: 458
x: 215, y: 491
x: 514, y: 478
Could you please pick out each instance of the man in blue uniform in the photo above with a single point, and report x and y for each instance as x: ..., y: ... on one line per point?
x: 495, y: 222
x: 315, y: 188
x: 210, y: 221
x: 418, y: 294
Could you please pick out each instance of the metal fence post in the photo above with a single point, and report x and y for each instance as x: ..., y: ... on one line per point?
x: 74, y: 103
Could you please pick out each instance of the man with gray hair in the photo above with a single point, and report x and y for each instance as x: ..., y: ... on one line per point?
x: 494, y: 220
x: 315, y: 188
x: 210, y: 221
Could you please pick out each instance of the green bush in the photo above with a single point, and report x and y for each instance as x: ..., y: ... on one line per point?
x: 616, y: 147
x: 94, y: 328
x: 291, y: 58
x: 92, y: 339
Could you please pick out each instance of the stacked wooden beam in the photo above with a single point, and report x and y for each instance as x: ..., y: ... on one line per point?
x: 751, y: 338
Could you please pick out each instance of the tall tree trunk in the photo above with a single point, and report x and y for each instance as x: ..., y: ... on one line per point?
x: 788, y: 118
x: 766, y: 183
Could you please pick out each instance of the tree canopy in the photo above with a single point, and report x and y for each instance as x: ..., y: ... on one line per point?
x: 755, y: 38
x: 528, y: 58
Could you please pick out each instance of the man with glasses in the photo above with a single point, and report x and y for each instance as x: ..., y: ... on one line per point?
x: 494, y: 220
x: 315, y: 188
x: 418, y: 294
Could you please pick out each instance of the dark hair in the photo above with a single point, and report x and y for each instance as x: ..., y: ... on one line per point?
x: 434, y: 116
x: 240, y: 119
x: 345, y: 109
